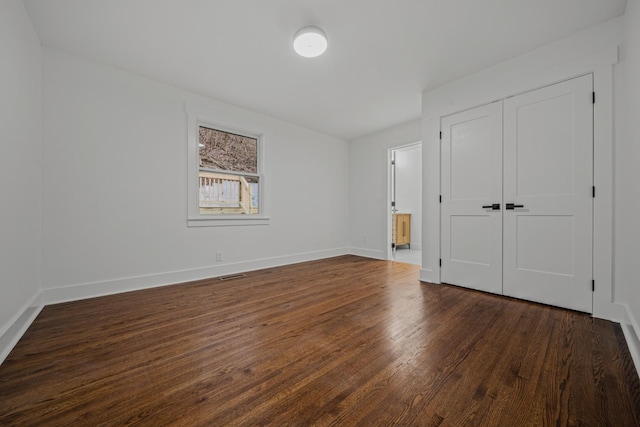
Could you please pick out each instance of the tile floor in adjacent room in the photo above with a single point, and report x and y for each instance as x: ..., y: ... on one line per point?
x: 409, y: 256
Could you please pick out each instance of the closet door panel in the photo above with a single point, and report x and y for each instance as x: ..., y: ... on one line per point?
x: 471, y: 244
x: 548, y: 176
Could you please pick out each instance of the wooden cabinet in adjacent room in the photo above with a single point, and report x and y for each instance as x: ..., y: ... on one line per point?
x: 402, y: 229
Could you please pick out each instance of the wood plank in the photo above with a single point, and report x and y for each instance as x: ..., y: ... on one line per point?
x: 342, y: 341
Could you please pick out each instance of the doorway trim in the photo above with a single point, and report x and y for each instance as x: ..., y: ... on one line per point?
x: 387, y: 238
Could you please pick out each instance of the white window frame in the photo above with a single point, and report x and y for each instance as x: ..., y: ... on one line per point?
x: 195, y: 119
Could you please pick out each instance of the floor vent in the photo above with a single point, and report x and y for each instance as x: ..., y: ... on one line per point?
x: 232, y: 276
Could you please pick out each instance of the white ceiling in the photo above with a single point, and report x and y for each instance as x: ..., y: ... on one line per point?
x: 382, y: 53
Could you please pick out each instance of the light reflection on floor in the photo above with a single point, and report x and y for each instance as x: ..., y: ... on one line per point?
x: 404, y: 308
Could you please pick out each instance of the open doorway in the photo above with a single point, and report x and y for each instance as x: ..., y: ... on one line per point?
x: 404, y: 216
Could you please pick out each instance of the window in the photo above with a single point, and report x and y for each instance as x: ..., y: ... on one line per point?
x: 228, y: 173
x: 225, y: 174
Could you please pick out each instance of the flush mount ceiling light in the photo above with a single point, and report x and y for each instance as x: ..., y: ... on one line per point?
x: 310, y: 42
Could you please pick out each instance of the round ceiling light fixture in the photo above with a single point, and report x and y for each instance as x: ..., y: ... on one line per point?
x: 310, y: 42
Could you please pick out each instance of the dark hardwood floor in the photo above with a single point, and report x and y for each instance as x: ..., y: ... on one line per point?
x: 344, y: 341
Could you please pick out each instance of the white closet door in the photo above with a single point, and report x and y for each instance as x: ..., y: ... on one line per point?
x: 472, y: 178
x: 548, y: 175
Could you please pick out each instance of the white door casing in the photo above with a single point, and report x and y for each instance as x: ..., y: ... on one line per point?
x: 472, y: 178
x: 548, y: 169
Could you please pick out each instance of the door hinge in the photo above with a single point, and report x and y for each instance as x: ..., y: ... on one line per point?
x: 441, y: 135
x: 593, y: 97
x: 393, y: 204
x: 593, y: 285
x: 393, y: 162
x: 593, y: 191
x: 440, y: 198
x: 440, y: 262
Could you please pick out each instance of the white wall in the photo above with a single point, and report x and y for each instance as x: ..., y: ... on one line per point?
x: 368, y: 187
x: 627, y: 177
x: 591, y: 51
x: 115, y: 187
x: 20, y: 176
x: 409, y: 189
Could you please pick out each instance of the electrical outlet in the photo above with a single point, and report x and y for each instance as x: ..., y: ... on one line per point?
x: 218, y: 256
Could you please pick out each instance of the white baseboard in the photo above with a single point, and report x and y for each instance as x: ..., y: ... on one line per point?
x: 368, y: 253
x: 427, y: 275
x: 16, y: 327
x: 127, y: 284
x: 631, y: 330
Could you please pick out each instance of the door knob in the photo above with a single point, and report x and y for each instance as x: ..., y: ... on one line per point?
x: 495, y: 206
x: 511, y: 206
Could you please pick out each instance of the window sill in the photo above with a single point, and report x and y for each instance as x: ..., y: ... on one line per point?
x: 228, y: 221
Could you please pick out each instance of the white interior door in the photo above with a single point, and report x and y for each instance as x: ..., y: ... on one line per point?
x: 548, y: 175
x: 471, y: 243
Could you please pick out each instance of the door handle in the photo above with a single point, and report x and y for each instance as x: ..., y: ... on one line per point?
x: 512, y: 206
x: 495, y: 206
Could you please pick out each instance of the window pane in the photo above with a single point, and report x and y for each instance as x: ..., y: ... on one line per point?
x: 227, y: 151
x: 221, y: 193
